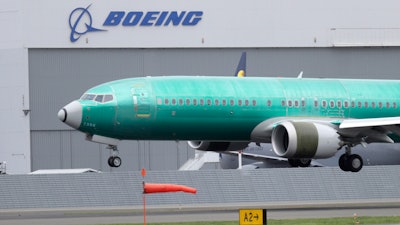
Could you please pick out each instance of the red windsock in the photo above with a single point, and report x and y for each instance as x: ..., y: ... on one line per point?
x: 149, y: 188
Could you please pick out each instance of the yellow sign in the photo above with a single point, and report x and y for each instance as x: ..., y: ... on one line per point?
x: 252, y: 217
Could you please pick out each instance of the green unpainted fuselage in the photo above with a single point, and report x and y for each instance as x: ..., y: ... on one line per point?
x: 227, y: 108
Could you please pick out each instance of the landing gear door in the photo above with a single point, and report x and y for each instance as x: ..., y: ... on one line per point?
x: 141, y: 102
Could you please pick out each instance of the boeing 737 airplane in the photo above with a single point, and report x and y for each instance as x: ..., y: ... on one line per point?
x: 258, y: 155
x: 301, y: 117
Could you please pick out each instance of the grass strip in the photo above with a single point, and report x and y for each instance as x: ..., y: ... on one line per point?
x: 318, y: 221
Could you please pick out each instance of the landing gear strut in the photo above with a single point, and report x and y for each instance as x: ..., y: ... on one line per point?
x: 299, y: 162
x: 350, y: 162
x: 114, y: 160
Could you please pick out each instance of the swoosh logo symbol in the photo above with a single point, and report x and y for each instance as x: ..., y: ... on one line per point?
x: 80, y: 22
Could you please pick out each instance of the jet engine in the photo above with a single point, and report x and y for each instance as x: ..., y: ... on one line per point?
x: 217, y: 146
x: 305, y: 140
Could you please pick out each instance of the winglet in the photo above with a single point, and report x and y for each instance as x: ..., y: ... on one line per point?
x: 241, y: 68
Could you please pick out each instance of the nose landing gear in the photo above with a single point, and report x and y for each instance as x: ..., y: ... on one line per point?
x: 114, y: 160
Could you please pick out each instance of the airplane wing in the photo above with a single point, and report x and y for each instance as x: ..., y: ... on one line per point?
x: 370, y: 130
x: 257, y: 156
x: 269, y: 160
x: 372, y: 122
x: 351, y: 131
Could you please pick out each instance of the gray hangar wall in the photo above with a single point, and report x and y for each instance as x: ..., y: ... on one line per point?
x: 58, y: 76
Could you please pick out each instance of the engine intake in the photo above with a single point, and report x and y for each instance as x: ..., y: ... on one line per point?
x: 304, y: 140
x: 217, y: 146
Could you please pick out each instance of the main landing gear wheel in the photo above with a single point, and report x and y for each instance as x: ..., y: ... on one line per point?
x: 299, y: 162
x: 114, y: 161
x: 350, y: 162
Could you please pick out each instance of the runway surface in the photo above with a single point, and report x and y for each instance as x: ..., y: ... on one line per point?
x: 112, y: 216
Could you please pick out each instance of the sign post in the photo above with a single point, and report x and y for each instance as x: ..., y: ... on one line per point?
x: 144, y: 197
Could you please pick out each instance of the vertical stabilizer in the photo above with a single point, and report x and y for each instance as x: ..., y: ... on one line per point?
x: 241, y: 68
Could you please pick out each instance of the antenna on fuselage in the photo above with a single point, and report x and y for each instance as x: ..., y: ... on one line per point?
x: 300, y: 75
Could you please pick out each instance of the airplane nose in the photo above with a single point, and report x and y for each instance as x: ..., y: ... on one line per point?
x: 62, y: 115
x: 71, y: 114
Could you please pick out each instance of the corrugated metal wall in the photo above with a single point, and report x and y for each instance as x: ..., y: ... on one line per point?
x: 264, y: 186
x: 58, y: 76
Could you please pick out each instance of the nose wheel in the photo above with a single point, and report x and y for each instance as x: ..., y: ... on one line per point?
x: 114, y: 160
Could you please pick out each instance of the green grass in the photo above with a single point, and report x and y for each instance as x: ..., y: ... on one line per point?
x: 324, y: 221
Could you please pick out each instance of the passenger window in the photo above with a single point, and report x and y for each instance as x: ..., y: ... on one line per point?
x: 240, y: 102
x: 173, y: 101
x: 232, y: 102
x: 283, y: 103
x: 324, y: 103
x: 246, y: 102
x: 394, y: 105
x: 201, y: 102
x: 296, y: 103
x: 194, y: 101
x: 366, y: 104
x: 187, y: 101
x: 303, y: 103
x: 315, y: 103
x: 331, y: 104
x: 353, y: 104
x: 216, y: 102
x: 159, y: 101
x: 290, y: 104
x: 166, y: 101
x: 208, y: 101
x: 359, y: 104
x: 339, y: 104
x: 180, y: 101
x: 224, y: 102
x: 387, y: 105
x: 373, y: 104
x: 380, y: 105
x: 346, y: 104
x: 254, y: 102
x: 269, y: 103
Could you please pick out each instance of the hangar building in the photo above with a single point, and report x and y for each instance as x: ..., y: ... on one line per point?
x: 52, y: 51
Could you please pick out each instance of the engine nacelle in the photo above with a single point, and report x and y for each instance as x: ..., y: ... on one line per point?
x: 304, y: 140
x: 217, y: 146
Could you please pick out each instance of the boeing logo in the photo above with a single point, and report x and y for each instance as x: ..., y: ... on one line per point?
x: 80, y: 20
x: 153, y: 18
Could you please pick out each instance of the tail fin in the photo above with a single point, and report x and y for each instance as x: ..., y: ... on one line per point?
x: 241, y: 68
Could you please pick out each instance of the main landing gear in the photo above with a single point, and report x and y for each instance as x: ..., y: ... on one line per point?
x: 114, y: 160
x: 299, y: 162
x: 350, y: 162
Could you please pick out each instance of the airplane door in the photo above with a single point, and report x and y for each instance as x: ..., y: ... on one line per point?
x: 141, y: 102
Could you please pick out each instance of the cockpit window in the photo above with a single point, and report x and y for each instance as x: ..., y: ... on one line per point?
x: 97, y: 98
x: 108, y: 98
x: 88, y: 97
